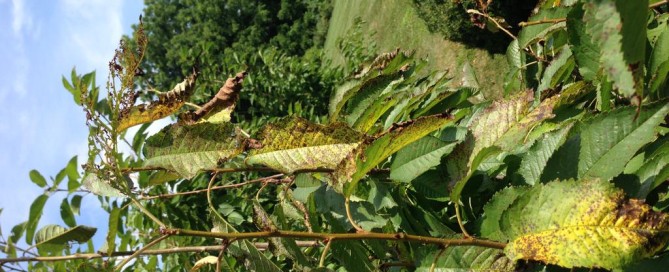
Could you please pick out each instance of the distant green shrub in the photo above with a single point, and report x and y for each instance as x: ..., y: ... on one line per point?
x: 449, y: 17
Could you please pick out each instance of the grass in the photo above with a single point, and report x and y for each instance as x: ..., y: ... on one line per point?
x: 395, y: 23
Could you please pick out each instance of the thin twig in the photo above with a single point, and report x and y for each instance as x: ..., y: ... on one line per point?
x: 493, y: 20
x: 212, y: 188
x: 341, y: 236
x: 228, y: 170
x: 436, y: 258
x: 146, y: 212
x: 78, y: 256
x: 544, y: 21
x: 347, y: 206
x: 321, y: 263
x: 657, y: 4
x: 462, y: 226
x: 138, y: 252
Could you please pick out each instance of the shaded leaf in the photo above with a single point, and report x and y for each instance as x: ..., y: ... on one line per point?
x: 187, y: 149
x: 462, y: 258
x: 53, y: 237
x: 66, y: 213
x: 658, y: 65
x: 535, y: 159
x: 256, y: 260
x: 75, y: 204
x: 293, y: 144
x: 36, y: 209
x: 534, y: 33
x: 112, y: 229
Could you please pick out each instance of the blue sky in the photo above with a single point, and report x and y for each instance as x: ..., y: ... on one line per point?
x: 41, y: 127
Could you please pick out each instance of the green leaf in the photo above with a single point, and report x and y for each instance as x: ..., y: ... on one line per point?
x: 586, y: 52
x: 653, y: 172
x: 187, y: 149
x: 72, y: 175
x: 99, y: 187
x: 462, y: 258
x: 603, y: 144
x: 37, y: 178
x: 366, y: 157
x: 389, y: 66
x: 658, y: 65
x: 66, y: 213
x: 634, y: 17
x: 35, y: 214
x: 17, y: 232
x: 534, y: 160
x: 53, y: 237
x: 534, y: 33
x: 585, y: 223
x: 75, y: 204
x: 306, y: 184
x: 602, y: 22
x: 293, y: 144
x: 114, y: 218
x: 557, y: 71
x: 256, y: 260
x: 166, y: 104
x: 419, y: 157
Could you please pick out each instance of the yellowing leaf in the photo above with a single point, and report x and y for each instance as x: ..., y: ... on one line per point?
x: 294, y: 143
x: 204, y: 261
x: 166, y: 104
x: 584, y: 223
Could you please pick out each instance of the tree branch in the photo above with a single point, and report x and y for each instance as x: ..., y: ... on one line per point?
x: 173, y: 250
x: 264, y: 179
x: 341, y: 236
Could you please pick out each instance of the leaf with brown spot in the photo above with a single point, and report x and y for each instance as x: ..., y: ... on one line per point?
x: 166, y: 104
x: 292, y: 144
x: 503, y: 126
x: 586, y: 223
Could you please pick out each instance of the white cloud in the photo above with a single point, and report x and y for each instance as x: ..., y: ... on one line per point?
x: 21, y: 19
x: 95, y: 27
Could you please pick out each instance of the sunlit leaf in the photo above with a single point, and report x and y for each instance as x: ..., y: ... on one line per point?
x: 187, y: 149
x: 367, y: 156
x: 37, y: 178
x: 418, y: 157
x: 209, y: 260
x: 601, y: 145
x: 503, y: 126
x: 295, y: 143
x: 590, y: 224
x: 99, y: 187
